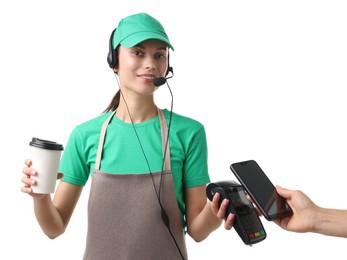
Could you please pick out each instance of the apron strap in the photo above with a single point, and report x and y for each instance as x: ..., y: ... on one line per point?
x: 101, y: 141
x: 164, y: 139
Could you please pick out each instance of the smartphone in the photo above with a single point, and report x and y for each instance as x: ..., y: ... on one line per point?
x: 247, y: 222
x: 261, y: 190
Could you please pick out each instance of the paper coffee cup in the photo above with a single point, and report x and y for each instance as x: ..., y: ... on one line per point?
x: 45, y: 156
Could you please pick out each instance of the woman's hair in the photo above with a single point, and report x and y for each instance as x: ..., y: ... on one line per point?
x: 115, y: 100
x: 114, y: 103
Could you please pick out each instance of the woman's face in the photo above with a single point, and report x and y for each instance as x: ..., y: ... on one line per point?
x: 139, y: 65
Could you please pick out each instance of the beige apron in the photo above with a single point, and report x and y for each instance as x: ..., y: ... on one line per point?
x: 124, y: 215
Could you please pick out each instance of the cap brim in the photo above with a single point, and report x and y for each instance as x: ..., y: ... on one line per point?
x: 136, y: 38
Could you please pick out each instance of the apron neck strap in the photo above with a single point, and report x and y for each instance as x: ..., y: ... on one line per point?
x: 164, y: 140
x: 101, y: 140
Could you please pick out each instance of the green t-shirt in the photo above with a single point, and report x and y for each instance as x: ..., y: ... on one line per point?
x: 122, y: 153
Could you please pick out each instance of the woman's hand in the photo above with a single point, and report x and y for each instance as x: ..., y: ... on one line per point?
x: 221, y: 211
x: 28, y: 181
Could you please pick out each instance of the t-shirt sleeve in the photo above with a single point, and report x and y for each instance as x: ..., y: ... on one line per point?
x: 196, y: 166
x: 73, y: 163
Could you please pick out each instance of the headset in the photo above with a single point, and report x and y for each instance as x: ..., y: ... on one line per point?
x: 112, y: 56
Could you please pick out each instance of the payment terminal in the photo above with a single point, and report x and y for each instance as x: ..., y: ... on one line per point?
x: 247, y: 222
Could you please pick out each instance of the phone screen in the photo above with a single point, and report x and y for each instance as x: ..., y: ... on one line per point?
x: 261, y: 190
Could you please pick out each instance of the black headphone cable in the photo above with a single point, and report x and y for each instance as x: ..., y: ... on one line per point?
x: 164, y: 215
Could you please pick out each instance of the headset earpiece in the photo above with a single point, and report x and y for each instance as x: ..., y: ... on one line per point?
x: 169, y: 69
x: 112, y: 54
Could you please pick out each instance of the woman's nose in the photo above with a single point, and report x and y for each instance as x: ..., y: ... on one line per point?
x: 150, y: 63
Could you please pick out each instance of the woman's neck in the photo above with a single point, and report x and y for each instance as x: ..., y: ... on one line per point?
x: 136, y: 112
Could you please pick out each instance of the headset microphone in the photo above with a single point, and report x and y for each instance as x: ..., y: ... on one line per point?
x: 159, y: 81
x: 162, y: 80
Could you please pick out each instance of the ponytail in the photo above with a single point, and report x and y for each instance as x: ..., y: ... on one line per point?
x: 114, y: 103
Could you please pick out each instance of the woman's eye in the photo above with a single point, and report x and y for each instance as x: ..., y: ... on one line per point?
x: 161, y: 56
x: 137, y: 53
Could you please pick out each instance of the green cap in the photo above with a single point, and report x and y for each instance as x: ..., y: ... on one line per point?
x: 137, y: 28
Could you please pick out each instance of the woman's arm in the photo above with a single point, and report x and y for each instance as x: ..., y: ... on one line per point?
x: 52, y: 216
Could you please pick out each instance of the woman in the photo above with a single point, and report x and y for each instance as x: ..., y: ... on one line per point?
x: 147, y: 190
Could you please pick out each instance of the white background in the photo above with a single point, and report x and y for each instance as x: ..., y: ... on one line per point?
x: 266, y: 78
